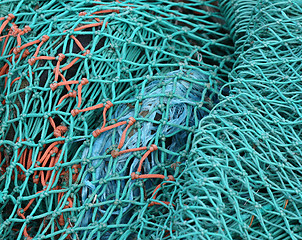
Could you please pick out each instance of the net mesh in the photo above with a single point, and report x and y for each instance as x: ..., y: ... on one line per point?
x: 150, y: 119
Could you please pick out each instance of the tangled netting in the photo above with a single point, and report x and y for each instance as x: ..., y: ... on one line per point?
x: 150, y: 119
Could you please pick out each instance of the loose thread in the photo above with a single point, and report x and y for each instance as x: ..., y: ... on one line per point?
x: 252, y: 219
x: 286, y: 202
x: 5, y: 43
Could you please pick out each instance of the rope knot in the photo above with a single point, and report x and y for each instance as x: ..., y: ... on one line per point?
x: 54, y: 151
x: 84, y: 81
x: 16, y: 50
x: 10, y: 16
x: 72, y: 94
x: 171, y: 178
x: 131, y: 121
x: 31, y: 61
x: 26, y: 29
x: 153, y: 148
x: 59, y: 131
x: 134, y: 176
x: 61, y: 56
x: 96, y: 133
x: 108, y: 104
x: 53, y: 86
x: 115, y: 153
x: 75, y: 112
x: 45, y: 38
x: 26, y: 53
x: 20, y: 212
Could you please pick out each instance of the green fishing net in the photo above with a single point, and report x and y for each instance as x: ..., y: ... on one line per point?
x: 150, y: 119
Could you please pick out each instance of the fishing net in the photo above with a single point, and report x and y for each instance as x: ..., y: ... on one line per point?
x: 242, y: 179
x: 150, y: 120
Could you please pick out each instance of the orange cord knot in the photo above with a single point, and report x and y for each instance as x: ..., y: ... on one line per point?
x: 61, y: 56
x: 108, y: 104
x: 82, y: 13
x: 26, y: 29
x: 76, y: 168
x: 59, y: 131
x: 26, y: 53
x: 132, y: 121
x: 54, y: 150
x: 20, y: 212
x: 96, y: 132
x: 10, y: 16
x: 31, y: 61
x: 16, y: 50
x: 75, y: 112
x: 53, y: 86
x: 134, y: 176
x: 115, y: 153
x: 45, y: 38
x: 72, y: 94
x: 153, y: 148
x: 171, y: 178
x: 84, y: 81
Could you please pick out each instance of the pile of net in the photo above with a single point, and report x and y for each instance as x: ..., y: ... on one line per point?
x: 150, y: 119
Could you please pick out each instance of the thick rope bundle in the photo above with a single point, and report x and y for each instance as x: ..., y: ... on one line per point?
x: 99, y: 99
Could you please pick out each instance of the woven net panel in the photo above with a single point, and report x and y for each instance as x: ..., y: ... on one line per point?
x: 243, y: 176
x: 100, y: 102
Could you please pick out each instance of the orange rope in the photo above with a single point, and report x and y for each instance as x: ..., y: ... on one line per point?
x: 19, y: 49
x: 123, y: 137
x: 152, y: 148
x: 9, y: 18
x: 45, y: 38
x: 89, y: 26
x: 83, y: 82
